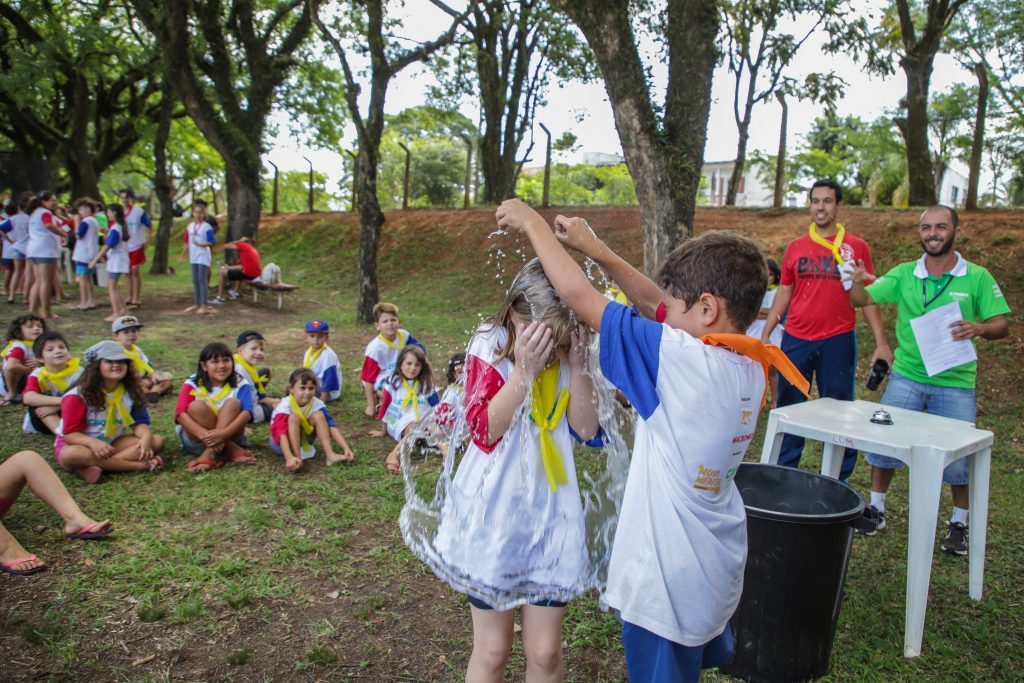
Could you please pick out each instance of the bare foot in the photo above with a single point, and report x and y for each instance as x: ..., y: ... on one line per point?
x: 14, y: 551
x: 191, y: 309
x: 73, y: 526
x: 112, y: 317
x: 334, y: 458
x: 292, y: 464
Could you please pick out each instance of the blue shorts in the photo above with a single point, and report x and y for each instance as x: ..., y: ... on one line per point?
x: 480, y: 604
x: 83, y: 269
x: 952, y: 402
x: 653, y: 659
x: 114, y: 276
x: 16, y: 254
x: 42, y: 260
x: 7, y: 264
x: 193, y: 447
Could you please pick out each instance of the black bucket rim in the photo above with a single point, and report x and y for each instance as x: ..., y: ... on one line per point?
x: 800, y: 518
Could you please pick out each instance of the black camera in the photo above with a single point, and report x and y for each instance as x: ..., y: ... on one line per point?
x: 878, y: 372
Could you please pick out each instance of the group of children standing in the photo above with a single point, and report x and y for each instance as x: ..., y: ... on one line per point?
x: 35, y: 231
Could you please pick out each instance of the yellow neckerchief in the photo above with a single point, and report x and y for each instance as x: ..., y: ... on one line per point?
x: 617, y: 296
x: 832, y: 246
x: 254, y: 374
x: 546, y: 410
x: 307, y: 428
x: 214, y: 400
x: 411, y: 396
x: 773, y: 286
x: 57, y: 379
x: 142, y: 368
x: 396, y: 347
x: 311, y: 356
x: 768, y: 355
x: 115, y: 410
x: 10, y: 345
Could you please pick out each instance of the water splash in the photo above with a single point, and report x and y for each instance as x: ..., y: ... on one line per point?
x: 436, y: 528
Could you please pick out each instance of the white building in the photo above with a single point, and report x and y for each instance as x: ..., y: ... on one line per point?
x: 953, y: 188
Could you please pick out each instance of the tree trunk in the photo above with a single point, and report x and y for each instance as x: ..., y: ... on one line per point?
x: 780, y: 160
x: 739, y: 165
x: 244, y: 200
x: 84, y: 180
x: 664, y: 160
x: 977, y: 146
x: 371, y: 220
x: 919, y: 162
x: 163, y: 186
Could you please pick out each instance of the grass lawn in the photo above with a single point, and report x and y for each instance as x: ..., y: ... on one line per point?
x: 252, y: 574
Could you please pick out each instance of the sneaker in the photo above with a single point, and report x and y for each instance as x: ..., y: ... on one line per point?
x: 955, y: 542
x: 872, y: 522
x: 216, y: 300
x: 232, y: 294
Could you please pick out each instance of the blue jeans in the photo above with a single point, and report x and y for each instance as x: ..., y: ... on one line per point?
x: 951, y: 402
x: 832, y: 363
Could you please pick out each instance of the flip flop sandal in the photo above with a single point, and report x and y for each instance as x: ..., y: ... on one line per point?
x: 207, y: 465
x: 6, y: 567
x: 393, y: 467
x: 241, y: 458
x: 86, y: 533
x: 156, y: 464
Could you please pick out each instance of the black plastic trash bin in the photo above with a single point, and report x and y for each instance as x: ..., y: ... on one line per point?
x: 799, y: 535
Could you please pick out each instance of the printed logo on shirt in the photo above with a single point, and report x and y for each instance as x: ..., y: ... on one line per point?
x: 743, y: 437
x: 745, y: 419
x: 708, y: 480
x: 731, y: 474
x: 996, y: 292
x: 846, y: 251
x: 959, y: 296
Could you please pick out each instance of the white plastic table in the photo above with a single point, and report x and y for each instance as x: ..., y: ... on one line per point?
x: 926, y: 443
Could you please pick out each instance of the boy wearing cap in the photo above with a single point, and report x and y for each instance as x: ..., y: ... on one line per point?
x: 126, y: 330
x: 322, y: 360
x: 249, y: 353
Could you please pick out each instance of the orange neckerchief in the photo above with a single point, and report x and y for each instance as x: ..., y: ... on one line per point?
x: 767, y: 355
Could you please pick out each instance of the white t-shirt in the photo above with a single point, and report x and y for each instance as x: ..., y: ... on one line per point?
x: 501, y: 528
x: 680, y: 548
x: 19, y: 232
x: 327, y: 369
x: 87, y: 244
x: 397, y: 413
x: 200, y: 236
x: 137, y: 221
x: 757, y: 327
x: 118, y: 259
x: 41, y: 242
x: 381, y: 355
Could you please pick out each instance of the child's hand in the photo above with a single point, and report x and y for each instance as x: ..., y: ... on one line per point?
x: 377, y: 432
x: 579, y: 348
x: 575, y: 233
x: 145, y: 450
x: 101, y: 449
x: 212, y: 438
x: 33, y: 363
x: 514, y: 214
x: 370, y: 411
x: 533, y: 347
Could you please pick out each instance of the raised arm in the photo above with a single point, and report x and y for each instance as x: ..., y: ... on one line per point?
x: 565, y: 275
x: 577, y: 234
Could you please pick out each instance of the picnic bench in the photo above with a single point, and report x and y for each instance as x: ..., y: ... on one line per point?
x: 278, y: 288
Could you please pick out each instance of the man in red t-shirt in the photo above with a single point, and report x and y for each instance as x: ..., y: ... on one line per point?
x: 820, y: 337
x: 247, y: 268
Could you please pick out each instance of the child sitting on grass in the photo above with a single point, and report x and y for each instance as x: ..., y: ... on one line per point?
x: 28, y: 467
x: 18, y: 357
x: 299, y: 420
x: 104, y: 424
x: 126, y: 331
x: 322, y: 360
x: 212, y: 412
x: 409, y: 397
x: 249, y: 353
x: 381, y: 353
x: 47, y: 385
x: 697, y: 383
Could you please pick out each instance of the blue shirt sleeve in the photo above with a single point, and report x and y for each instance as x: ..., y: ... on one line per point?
x: 113, y: 238
x: 433, y: 399
x: 140, y: 414
x: 83, y: 228
x: 145, y: 220
x: 327, y: 415
x: 210, y: 238
x: 630, y: 352
x: 245, y: 397
x: 596, y: 442
x: 415, y: 342
x: 329, y: 379
x: 6, y: 226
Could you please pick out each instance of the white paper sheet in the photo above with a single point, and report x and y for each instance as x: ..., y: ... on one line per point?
x: 939, y: 350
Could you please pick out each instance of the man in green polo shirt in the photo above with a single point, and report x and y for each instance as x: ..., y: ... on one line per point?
x: 940, y: 277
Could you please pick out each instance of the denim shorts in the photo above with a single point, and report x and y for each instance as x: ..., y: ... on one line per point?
x: 82, y: 269
x: 42, y: 260
x: 480, y: 604
x: 194, y: 447
x: 952, y: 402
x: 17, y: 254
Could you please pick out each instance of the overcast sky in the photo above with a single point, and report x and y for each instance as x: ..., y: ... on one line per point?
x: 866, y: 96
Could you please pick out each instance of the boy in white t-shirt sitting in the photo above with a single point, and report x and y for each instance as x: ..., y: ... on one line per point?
x: 697, y: 383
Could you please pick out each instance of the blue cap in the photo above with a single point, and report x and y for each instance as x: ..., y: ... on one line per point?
x: 318, y: 326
